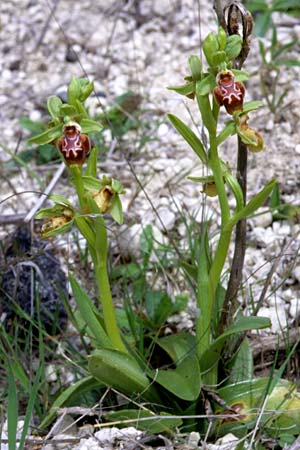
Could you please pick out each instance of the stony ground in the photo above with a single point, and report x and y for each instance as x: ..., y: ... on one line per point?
x: 145, y: 49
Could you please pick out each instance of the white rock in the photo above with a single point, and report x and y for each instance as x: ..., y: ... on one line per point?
x: 194, y: 438
x: 51, y: 373
x: 228, y: 442
x: 277, y: 316
x: 296, y: 273
x: 162, y: 7
x: 167, y: 217
x: 162, y: 130
x: 263, y: 219
x: 294, y: 309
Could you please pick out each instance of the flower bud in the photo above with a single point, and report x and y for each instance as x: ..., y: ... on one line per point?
x: 210, y: 189
x: 229, y: 93
x: 74, y: 146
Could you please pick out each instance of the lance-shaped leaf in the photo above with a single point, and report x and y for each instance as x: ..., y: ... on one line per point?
x: 89, y: 315
x: 47, y: 136
x: 211, y: 356
x: 256, y: 202
x: 228, y: 130
x: 187, y: 89
x: 91, y: 167
x: 68, y: 395
x: 206, y: 111
x: 116, y: 210
x: 189, y: 136
x: 121, y: 371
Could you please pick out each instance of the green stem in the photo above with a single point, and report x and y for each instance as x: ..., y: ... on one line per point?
x: 76, y: 171
x: 100, y: 264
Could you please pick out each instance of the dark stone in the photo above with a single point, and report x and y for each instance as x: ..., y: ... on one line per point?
x: 28, y: 267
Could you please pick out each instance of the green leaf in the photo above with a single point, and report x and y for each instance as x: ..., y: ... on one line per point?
x: 204, y: 105
x: 68, y: 110
x: 236, y: 189
x: 218, y: 58
x: 228, y: 130
x: 256, y: 202
x: 159, y: 306
x: 69, y: 395
x: 211, y: 356
x: 241, y: 367
x: 206, y: 85
x: 189, y: 136
x: 73, y: 91
x: 195, y: 67
x: 90, y: 126
x: 54, y: 104
x: 47, y: 136
x: 184, y: 381
x: 178, y: 346
x: 143, y: 419
x: 233, y: 46
x: 185, y: 89
x: 87, y: 311
x: 222, y: 38
x: 12, y: 410
x: 210, y: 46
x: 81, y: 109
x: 86, y: 88
x: 121, y: 371
x: 262, y: 23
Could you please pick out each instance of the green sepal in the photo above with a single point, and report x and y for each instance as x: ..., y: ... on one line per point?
x: 61, y: 200
x: 81, y: 109
x: 210, y: 46
x: 218, y: 58
x: 145, y: 420
x: 91, y: 183
x: 205, y: 179
x: 240, y: 75
x: 233, y: 46
x: 54, y: 211
x: 212, y: 354
x: 251, y: 106
x: 122, y: 372
x: 256, y: 202
x: 115, y: 210
x: 222, y: 38
x: 68, y: 110
x: 86, y: 88
x: 54, y: 104
x: 186, y: 89
x: 47, y: 136
x: 73, y: 91
x: 206, y: 85
x: 90, y: 126
x: 195, y: 67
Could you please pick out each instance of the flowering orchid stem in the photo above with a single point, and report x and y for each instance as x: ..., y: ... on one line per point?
x: 76, y: 171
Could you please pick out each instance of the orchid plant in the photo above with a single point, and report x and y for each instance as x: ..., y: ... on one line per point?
x: 194, y: 372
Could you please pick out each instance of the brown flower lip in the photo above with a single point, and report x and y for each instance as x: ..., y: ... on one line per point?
x: 74, y: 146
x: 229, y: 93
